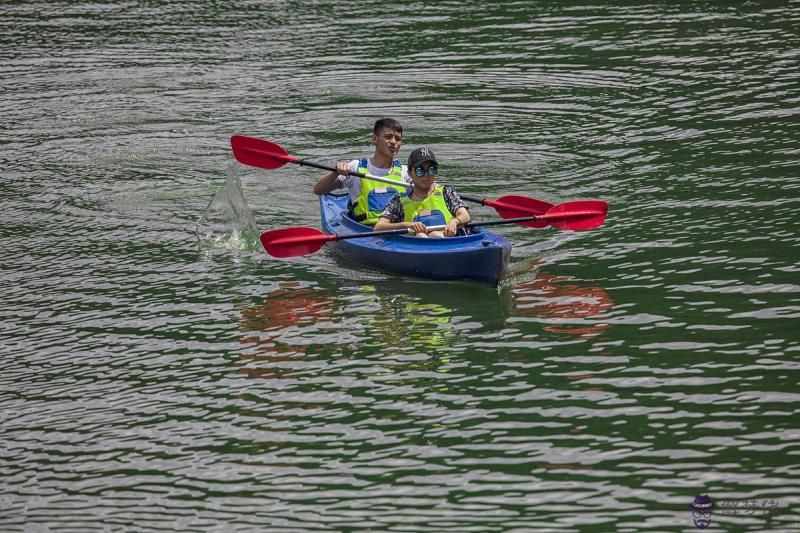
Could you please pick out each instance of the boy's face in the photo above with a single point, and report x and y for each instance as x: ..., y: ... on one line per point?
x: 387, y: 141
x: 426, y: 180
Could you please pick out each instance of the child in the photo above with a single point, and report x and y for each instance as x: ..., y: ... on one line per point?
x: 427, y: 204
x: 367, y: 197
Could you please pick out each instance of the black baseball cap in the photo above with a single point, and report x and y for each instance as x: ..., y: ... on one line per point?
x: 420, y: 155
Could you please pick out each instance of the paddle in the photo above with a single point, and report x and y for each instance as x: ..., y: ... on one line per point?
x: 512, y: 205
x: 294, y: 242
x: 259, y: 153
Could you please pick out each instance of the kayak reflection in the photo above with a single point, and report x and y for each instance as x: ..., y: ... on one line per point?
x: 363, y: 321
x: 420, y: 324
x: 403, y: 315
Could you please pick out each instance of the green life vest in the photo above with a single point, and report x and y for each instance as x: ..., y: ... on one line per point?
x: 375, y: 194
x: 432, y: 211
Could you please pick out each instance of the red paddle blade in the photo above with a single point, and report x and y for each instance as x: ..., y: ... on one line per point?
x: 294, y: 242
x: 580, y: 215
x: 514, y: 206
x: 259, y: 153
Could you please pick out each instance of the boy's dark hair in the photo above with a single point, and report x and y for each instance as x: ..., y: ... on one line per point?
x: 390, y: 123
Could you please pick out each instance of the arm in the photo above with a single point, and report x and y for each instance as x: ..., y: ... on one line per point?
x: 459, y: 209
x: 331, y: 181
x: 392, y: 218
x: 461, y: 217
x: 383, y: 223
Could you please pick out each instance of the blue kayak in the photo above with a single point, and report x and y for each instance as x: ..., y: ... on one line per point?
x: 481, y: 256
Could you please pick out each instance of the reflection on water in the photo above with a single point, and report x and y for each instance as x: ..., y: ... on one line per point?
x: 295, y: 316
x: 567, y: 307
x: 274, y: 329
x: 406, y: 321
x: 432, y: 319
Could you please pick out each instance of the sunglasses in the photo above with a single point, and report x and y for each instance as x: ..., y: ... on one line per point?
x: 431, y: 170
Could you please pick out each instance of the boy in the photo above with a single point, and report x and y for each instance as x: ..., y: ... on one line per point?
x: 428, y: 204
x: 368, y: 197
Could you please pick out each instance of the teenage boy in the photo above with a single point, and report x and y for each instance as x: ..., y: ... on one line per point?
x: 428, y: 204
x: 369, y: 197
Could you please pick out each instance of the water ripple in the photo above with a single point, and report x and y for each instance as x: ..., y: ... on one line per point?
x: 153, y: 384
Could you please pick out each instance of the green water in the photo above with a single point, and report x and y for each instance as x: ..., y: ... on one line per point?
x: 153, y: 382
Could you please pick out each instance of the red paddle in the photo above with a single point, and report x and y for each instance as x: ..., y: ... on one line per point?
x: 585, y: 214
x: 294, y: 242
x: 265, y: 154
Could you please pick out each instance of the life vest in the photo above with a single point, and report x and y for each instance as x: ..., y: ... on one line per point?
x: 432, y: 211
x: 375, y: 194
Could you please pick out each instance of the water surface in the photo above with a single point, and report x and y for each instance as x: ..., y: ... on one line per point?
x: 151, y: 382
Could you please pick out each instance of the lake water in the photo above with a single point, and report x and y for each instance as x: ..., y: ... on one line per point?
x: 156, y: 381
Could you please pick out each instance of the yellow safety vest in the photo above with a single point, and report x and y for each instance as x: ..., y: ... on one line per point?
x: 432, y: 211
x: 375, y: 194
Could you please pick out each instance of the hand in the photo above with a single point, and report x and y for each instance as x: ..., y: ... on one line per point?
x: 342, y: 169
x: 418, y: 227
x: 451, y: 228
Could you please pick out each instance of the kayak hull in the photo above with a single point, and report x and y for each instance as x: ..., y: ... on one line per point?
x: 482, y: 256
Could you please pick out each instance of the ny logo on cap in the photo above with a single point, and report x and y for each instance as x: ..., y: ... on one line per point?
x: 424, y: 152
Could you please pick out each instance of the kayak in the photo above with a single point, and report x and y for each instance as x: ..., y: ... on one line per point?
x: 481, y: 256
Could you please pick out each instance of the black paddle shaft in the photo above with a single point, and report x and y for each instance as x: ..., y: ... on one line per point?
x: 472, y: 199
x: 364, y: 176
x: 332, y: 169
x: 315, y: 165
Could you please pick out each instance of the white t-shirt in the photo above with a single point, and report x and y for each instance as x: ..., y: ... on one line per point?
x: 353, y: 183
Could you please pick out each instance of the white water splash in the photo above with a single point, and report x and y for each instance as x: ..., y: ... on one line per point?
x: 227, y: 222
